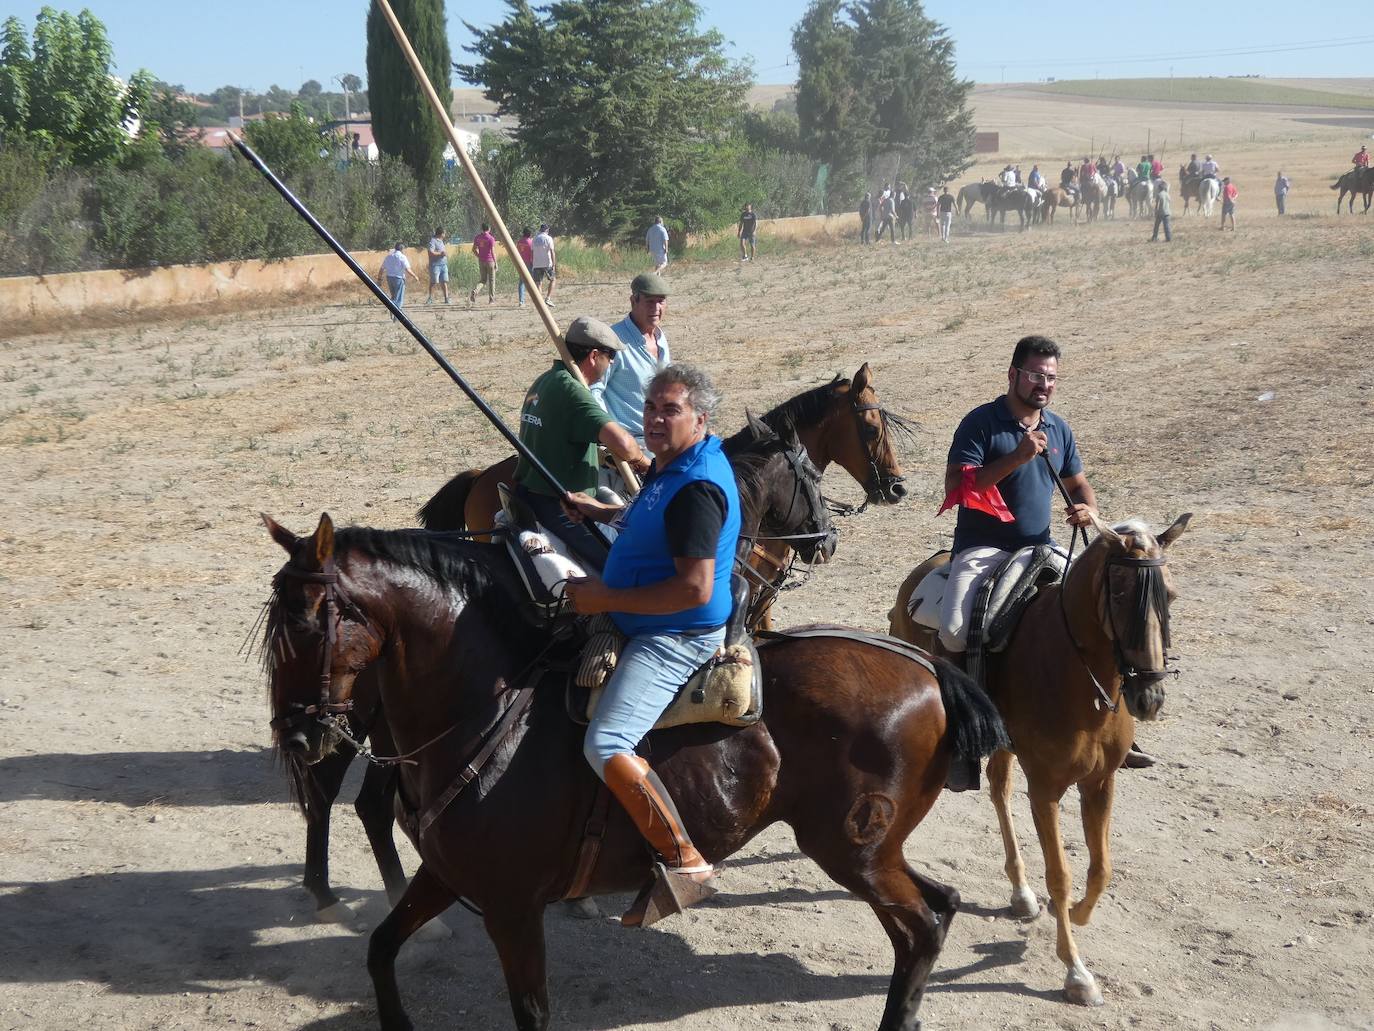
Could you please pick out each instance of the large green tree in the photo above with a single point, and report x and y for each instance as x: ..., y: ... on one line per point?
x: 626, y: 104
x: 878, y: 77
x: 402, y: 122
x: 63, y: 92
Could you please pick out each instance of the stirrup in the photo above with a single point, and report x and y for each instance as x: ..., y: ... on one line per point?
x: 671, y: 891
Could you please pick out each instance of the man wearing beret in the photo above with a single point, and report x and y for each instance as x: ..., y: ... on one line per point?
x: 561, y: 424
x: 622, y: 390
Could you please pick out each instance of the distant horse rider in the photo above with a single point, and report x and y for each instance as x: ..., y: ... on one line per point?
x: 1142, y: 170
x: 1008, y: 177
x: 561, y: 424
x: 1067, y: 178
x: 666, y: 586
x: 1035, y: 180
x: 1210, y: 169
x: 1194, y: 168
x: 1361, y: 158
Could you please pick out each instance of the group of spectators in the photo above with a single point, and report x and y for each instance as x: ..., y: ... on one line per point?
x: 537, y: 250
x: 895, y: 210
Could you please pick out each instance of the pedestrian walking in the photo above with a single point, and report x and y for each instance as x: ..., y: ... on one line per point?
x: 1281, y: 188
x: 438, y: 263
x: 545, y: 264
x: 748, y: 225
x: 484, y: 247
x: 657, y: 240
x: 865, y: 217
x: 1162, y: 211
x: 885, y: 221
x: 395, y: 268
x: 525, y: 248
x: 944, y: 205
x: 1228, y: 203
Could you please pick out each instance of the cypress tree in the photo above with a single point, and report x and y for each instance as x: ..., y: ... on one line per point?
x: 402, y: 123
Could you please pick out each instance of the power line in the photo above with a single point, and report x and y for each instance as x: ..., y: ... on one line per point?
x: 1268, y: 48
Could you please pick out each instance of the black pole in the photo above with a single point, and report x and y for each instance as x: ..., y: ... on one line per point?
x: 414, y: 330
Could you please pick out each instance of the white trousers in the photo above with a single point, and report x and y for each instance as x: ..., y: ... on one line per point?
x: 966, y: 571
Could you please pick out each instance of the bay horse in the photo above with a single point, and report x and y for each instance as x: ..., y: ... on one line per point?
x: 1081, y: 648
x: 1057, y: 197
x: 779, y: 494
x: 1357, y: 180
x: 851, y: 752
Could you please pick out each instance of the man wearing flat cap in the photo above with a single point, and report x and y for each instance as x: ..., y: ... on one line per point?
x: 622, y: 390
x: 562, y: 424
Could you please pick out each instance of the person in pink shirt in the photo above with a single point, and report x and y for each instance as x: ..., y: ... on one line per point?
x: 1228, y: 203
x: 525, y: 247
x: 1156, y: 167
x: 484, y: 247
x: 1361, y: 158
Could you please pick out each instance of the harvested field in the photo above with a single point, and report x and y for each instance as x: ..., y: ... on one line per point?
x: 151, y: 859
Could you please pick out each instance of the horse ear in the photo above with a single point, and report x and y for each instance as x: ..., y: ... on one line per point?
x: 863, y: 379
x: 760, y: 429
x: 280, y: 534
x: 1104, y: 529
x: 324, y: 539
x: 1175, y: 531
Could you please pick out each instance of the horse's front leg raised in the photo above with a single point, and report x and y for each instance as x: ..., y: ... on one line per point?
x: 425, y: 898
x: 1095, y: 803
x: 1024, y: 904
x: 1080, y: 987
x: 517, y: 931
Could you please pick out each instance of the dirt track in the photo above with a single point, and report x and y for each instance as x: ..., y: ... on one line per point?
x: 150, y: 860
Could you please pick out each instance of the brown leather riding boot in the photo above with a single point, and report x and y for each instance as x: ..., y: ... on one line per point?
x: 651, y: 808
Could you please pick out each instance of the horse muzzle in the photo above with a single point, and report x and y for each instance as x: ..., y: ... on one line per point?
x: 888, y: 490
x: 1144, y: 692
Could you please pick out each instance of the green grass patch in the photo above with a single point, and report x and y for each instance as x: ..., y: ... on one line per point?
x: 1205, y: 90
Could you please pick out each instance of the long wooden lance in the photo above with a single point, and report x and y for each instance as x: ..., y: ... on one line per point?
x: 475, y: 177
x: 399, y: 314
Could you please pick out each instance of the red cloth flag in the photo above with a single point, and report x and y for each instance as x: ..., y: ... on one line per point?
x: 989, y: 501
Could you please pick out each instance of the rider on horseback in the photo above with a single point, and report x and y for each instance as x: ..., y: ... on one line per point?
x: 1210, y: 169
x: 561, y: 424
x: 667, y: 588
x: 1067, y: 177
x: 1194, y: 167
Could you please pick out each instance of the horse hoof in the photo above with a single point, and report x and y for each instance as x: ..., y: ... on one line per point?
x: 334, y: 913
x: 1024, y: 904
x: 1081, y: 989
x: 583, y: 909
x: 434, y: 931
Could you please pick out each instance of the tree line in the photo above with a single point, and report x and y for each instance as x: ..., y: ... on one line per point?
x: 625, y: 109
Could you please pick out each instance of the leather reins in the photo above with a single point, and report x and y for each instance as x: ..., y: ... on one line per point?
x: 335, y: 601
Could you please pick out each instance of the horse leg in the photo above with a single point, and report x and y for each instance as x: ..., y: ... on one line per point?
x: 1024, y: 904
x: 374, y: 806
x: 517, y: 931
x: 1095, y: 803
x: 1080, y: 987
x: 424, y: 899
x: 317, y: 787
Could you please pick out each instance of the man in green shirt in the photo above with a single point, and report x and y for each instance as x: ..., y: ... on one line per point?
x: 561, y: 423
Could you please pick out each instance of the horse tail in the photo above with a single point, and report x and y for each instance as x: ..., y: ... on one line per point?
x: 970, y: 716
x: 444, y: 511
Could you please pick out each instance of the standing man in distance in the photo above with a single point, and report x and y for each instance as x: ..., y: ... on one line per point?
x: 438, y: 263
x: 1281, y: 188
x: 1228, y: 203
x: 1162, y: 211
x: 484, y: 248
x: 865, y: 218
x: 395, y: 268
x: 623, y: 390
x: 657, y: 240
x: 525, y: 248
x: 944, y: 205
x: 748, y: 225
x: 561, y: 424
x: 545, y: 261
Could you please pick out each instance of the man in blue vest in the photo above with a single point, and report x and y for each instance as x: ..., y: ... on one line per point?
x: 666, y: 585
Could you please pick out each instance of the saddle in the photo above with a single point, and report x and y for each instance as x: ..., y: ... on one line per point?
x: 1001, y: 598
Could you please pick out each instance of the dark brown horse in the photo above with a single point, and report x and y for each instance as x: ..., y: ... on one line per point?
x: 780, y: 494
x: 1357, y: 180
x: 1077, y: 653
x: 852, y: 751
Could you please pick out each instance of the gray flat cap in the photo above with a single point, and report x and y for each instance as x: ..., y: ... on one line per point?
x: 591, y: 333
x: 650, y: 283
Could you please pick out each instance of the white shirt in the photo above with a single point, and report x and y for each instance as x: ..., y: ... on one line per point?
x: 395, y: 264
x: 1210, y: 168
x: 542, y: 248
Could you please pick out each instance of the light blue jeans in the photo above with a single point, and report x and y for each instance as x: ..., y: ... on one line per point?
x: 646, y: 679
x: 398, y: 289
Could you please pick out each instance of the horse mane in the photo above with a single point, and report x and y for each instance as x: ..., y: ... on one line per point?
x: 749, y: 457
x: 806, y: 409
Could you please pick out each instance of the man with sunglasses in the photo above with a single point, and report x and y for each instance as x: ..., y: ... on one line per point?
x: 561, y: 423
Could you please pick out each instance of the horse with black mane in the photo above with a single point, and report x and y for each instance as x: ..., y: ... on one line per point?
x: 779, y: 494
x: 1357, y: 180
x: 851, y: 751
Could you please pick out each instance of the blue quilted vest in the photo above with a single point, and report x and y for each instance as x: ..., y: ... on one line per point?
x: 640, y: 556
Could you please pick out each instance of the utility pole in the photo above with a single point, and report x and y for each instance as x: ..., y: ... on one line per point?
x: 348, y: 116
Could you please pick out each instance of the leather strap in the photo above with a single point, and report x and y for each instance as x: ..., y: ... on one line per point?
x: 592, y: 836
x: 851, y: 634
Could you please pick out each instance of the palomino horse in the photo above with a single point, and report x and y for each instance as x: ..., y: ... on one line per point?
x: 1057, y: 197
x: 1094, y: 196
x: 1357, y: 180
x: 851, y: 752
x: 1078, y: 651
x: 779, y: 493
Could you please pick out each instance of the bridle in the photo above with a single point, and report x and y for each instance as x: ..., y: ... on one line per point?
x: 336, y: 602
x: 878, y: 481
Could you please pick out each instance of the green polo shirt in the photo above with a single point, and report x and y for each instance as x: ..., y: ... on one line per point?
x: 560, y: 423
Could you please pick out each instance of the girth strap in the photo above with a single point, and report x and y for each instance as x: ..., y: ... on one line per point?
x: 593, y: 835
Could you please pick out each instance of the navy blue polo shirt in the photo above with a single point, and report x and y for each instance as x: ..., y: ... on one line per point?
x: 990, y: 432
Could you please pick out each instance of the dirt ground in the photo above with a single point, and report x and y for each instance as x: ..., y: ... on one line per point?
x: 149, y: 864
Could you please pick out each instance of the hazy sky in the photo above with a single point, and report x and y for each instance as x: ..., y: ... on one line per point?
x: 256, y: 43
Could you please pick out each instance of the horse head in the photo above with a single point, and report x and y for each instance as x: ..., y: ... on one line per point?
x: 864, y: 446
x: 1130, y: 574
x: 315, y: 643
x: 780, y: 489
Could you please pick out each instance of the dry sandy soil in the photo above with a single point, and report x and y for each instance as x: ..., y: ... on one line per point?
x: 150, y: 858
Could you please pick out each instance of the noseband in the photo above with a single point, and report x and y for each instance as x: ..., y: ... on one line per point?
x: 335, y: 603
